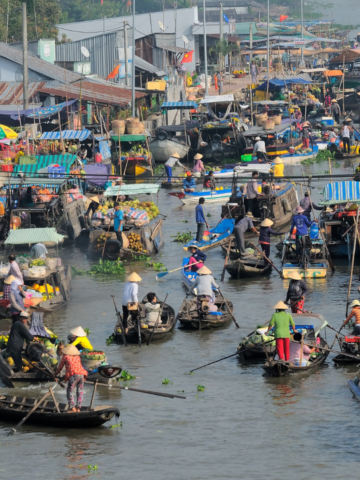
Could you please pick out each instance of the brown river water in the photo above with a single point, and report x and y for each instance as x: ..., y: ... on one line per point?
x: 243, y: 425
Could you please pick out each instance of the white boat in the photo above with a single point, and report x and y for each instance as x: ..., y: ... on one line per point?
x: 211, y: 196
x: 162, y: 147
x: 243, y: 170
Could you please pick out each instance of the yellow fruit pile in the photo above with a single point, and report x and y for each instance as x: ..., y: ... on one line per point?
x: 102, y: 239
x: 3, y: 341
x: 150, y: 208
x: 135, y: 242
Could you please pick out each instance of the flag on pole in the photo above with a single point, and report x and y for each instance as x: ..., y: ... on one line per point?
x: 226, y: 18
x: 114, y: 72
x: 283, y: 17
x: 187, y: 57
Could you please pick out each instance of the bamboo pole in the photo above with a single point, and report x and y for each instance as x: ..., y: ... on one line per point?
x: 352, y: 261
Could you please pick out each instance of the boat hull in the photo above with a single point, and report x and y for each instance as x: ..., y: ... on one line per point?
x: 161, y: 150
x: 241, y: 269
x: 319, y: 271
x: 217, y: 236
x: 354, y: 388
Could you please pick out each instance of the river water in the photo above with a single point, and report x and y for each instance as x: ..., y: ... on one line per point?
x: 243, y: 425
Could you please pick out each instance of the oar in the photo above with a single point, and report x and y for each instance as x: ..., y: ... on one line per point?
x: 118, y: 314
x: 232, y: 316
x: 323, y: 239
x: 47, y: 371
x: 160, y: 394
x: 163, y: 274
x: 157, y: 320
x: 226, y: 260
x: 263, y: 254
x: 37, y: 404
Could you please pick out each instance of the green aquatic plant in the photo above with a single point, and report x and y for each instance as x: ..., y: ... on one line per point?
x: 110, y: 340
x: 157, y: 266
x: 104, y: 267
x: 125, y: 376
x: 87, y: 331
x: 182, y: 237
x: 200, y: 388
x: 166, y: 381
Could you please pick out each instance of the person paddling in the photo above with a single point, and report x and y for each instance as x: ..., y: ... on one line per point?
x: 355, y: 312
x: 282, y: 322
x: 18, y: 334
x: 265, y: 232
x: 197, y: 257
x: 296, y: 292
x: 301, y: 222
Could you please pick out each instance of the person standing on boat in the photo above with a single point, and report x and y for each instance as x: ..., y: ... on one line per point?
x: 252, y: 192
x: 130, y: 295
x: 220, y: 82
x: 239, y: 232
x: 265, y: 232
x: 306, y: 203
x: 282, y: 322
x: 260, y: 149
x: 305, y: 138
x: 346, y: 132
x: 203, y: 284
x: 75, y: 375
x: 173, y: 160
x: 199, y: 166
x: 254, y: 72
x: 296, y: 292
x: 152, y: 310
x: 200, y: 219
x: 209, y: 181
x: 118, y: 223
x: 197, y: 257
x: 355, y: 312
x: 18, y: 334
x: 189, y: 184
x: 15, y: 269
x: 93, y: 206
x: 301, y: 222
x: 17, y: 296
x: 335, y: 110
x: 278, y: 169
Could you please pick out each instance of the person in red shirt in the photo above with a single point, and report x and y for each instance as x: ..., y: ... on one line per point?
x: 75, y: 376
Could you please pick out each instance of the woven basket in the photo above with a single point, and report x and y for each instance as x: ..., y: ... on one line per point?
x: 259, y: 119
x: 132, y: 121
x: 118, y: 127
x: 268, y: 124
x: 141, y: 127
x: 277, y: 119
x: 132, y: 129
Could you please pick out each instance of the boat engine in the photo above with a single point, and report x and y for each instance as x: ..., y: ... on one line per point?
x: 203, y: 305
x: 34, y: 351
x: 351, y: 344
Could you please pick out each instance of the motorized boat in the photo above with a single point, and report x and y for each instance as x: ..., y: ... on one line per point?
x: 310, y: 263
x: 191, y: 317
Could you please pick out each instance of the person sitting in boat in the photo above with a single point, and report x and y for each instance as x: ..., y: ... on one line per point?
x: 355, y: 312
x: 306, y: 203
x: 189, y: 183
x: 282, y: 322
x: 301, y: 222
x: 196, y: 260
x: 296, y: 292
x: 170, y: 163
x: 260, y: 149
x: 38, y: 251
x: 209, y: 181
x: 18, y: 334
x: 199, y: 166
x: 78, y: 338
x: 152, y: 310
x: 75, y: 375
x: 265, y: 232
x: 203, y: 284
x: 239, y: 231
x: 295, y: 350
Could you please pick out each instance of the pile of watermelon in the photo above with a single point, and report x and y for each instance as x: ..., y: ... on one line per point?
x: 92, y: 355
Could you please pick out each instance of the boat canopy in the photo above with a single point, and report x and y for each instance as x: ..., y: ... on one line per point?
x: 66, y: 135
x: 179, y: 105
x: 259, y: 131
x: 333, y: 73
x: 190, y: 124
x: 341, y: 192
x: 307, y: 319
x: 33, y: 235
x: 282, y: 82
x: 129, y: 138
x: 218, y: 99
x: 43, y: 182
x: 142, y: 188
x: 44, y: 161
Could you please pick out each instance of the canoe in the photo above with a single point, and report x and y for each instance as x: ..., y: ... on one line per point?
x: 189, y: 317
x: 234, y: 252
x: 165, y: 325
x: 253, y: 266
x: 215, y: 236
x: 188, y: 276
x: 243, y: 170
x: 211, y: 196
x: 14, y: 409
x: 161, y: 150
x: 354, y: 388
x: 315, y: 262
x: 23, y: 379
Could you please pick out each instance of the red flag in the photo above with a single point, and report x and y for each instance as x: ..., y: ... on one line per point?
x: 102, y: 1
x: 114, y: 72
x: 283, y: 17
x: 187, y: 57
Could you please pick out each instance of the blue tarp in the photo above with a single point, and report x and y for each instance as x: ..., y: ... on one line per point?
x: 49, y: 111
x: 278, y: 83
x: 100, y: 169
x: 67, y: 135
x: 177, y: 105
x: 104, y: 150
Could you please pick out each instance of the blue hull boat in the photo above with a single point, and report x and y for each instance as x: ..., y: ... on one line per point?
x: 354, y: 388
x: 188, y: 276
x: 214, y: 237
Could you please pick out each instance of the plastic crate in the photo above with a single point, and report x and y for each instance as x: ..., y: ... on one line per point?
x: 56, y: 172
x: 246, y: 158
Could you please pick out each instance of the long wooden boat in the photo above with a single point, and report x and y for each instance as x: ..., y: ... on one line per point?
x: 243, y: 170
x: 254, y: 266
x: 161, y: 150
x: 251, y: 348
x: 354, y: 388
x: 189, y: 317
x: 137, y: 168
x: 14, y: 409
x: 211, y: 196
x: 214, y: 237
x: 314, y: 263
x: 165, y: 325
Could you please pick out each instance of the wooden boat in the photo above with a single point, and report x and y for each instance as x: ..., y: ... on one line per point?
x: 162, y: 147
x: 234, y: 252
x: 14, y: 409
x: 253, y: 266
x: 354, y: 388
x: 211, y: 196
x: 349, y: 344
x: 312, y: 265
x: 243, y: 170
x: 253, y: 348
x: 106, y: 374
x: 188, y: 276
x: 189, y: 317
x: 137, y: 168
x: 215, y: 236
x: 166, y: 325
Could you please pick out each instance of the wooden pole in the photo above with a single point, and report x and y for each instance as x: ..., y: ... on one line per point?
x: 344, y: 113
x: 352, y: 261
x: 61, y: 137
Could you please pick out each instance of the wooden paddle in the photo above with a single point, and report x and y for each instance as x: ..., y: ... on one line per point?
x: 226, y: 260
x: 232, y: 316
x: 157, y: 320
x: 263, y: 254
x: 163, y: 274
x: 160, y: 394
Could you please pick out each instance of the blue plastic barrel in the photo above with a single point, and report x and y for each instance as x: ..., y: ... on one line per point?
x: 314, y: 231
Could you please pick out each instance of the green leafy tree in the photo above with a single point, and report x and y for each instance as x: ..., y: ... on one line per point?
x: 223, y: 48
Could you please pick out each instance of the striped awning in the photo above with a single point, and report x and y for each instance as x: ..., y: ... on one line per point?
x: 179, y: 105
x: 33, y: 235
x: 341, y: 192
x: 45, y: 161
x: 67, y: 135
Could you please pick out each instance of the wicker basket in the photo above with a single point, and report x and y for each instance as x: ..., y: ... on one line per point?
x: 132, y: 121
x: 259, y: 119
x: 268, y: 124
x: 141, y: 127
x: 277, y: 119
x: 132, y: 129
x: 118, y: 127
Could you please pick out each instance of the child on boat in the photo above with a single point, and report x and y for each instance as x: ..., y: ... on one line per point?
x: 197, y: 257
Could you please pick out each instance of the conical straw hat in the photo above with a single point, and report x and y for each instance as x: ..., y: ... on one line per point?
x: 294, y: 276
x: 95, y: 199
x: 71, y: 350
x: 176, y: 155
x: 204, y: 271
x: 133, y: 277
x: 78, y: 332
x: 267, y: 222
x: 281, y: 306
x: 277, y: 160
x: 9, y: 279
x: 198, y: 156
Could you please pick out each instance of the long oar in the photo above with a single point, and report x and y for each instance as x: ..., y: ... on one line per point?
x: 160, y: 394
x: 37, y: 404
x: 226, y: 303
x: 163, y: 274
x: 266, y: 258
x: 323, y: 239
x: 118, y: 314
x: 226, y: 260
x: 157, y: 320
x: 46, y: 371
x: 352, y: 262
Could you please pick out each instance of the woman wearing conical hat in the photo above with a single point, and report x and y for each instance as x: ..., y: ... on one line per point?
x: 282, y: 321
x: 130, y: 295
x: 296, y: 292
x: 203, y: 284
x: 79, y: 339
x: 265, y: 232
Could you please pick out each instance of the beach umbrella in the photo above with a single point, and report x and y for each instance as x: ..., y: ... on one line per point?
x: 6, y: 132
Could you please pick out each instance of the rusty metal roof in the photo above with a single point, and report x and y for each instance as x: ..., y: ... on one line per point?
x: 91, y: 91
x: 11, y: 93
x: 38, y: 65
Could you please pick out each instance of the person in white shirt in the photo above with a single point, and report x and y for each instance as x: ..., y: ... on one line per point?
x: 260, y: 149
x: 38, y: 251
x: 345, y: 132
x: 204, y: 284
x: 152, y: 310
x: 130, y: 295
x: 173, y: 160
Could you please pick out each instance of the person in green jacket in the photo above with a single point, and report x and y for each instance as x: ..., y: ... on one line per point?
x: 282, y: 322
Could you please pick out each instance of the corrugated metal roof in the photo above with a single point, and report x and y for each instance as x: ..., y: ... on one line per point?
x: 244, y: 28
x: 33, y: 235
x: 38, y: 65
x: 148, y: 67
x: 92, y: 92
x: 11, y: 93
x: 16, y: 108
